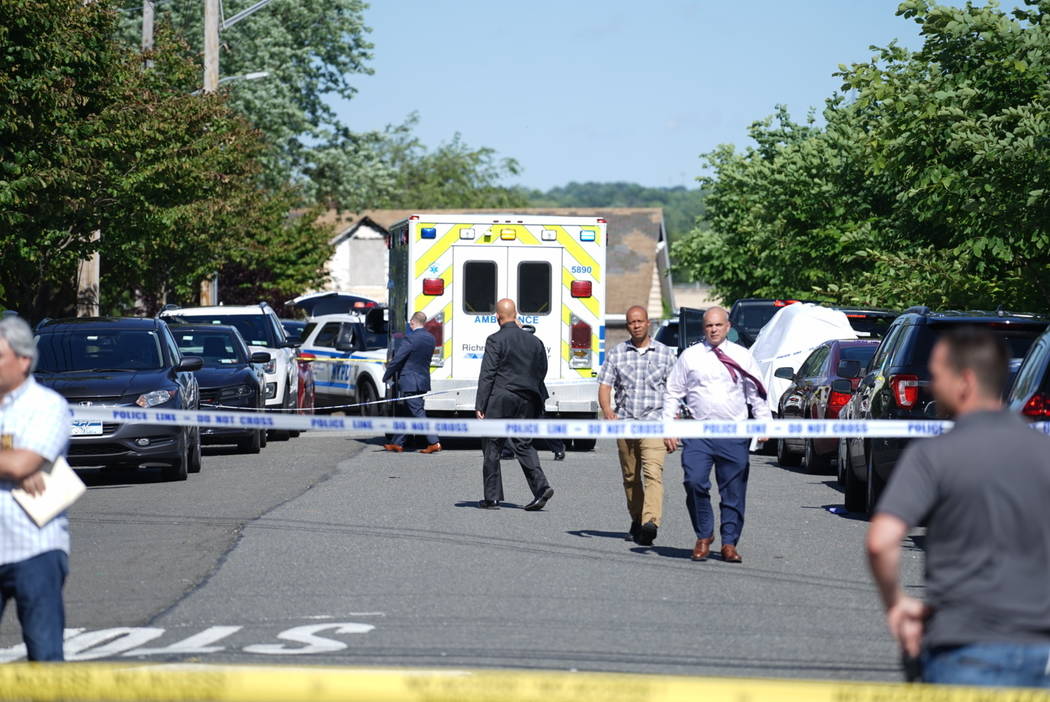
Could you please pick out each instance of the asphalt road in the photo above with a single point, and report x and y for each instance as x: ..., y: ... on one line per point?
x: 325, y: 550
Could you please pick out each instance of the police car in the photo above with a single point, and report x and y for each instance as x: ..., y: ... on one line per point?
x: 349, y: 357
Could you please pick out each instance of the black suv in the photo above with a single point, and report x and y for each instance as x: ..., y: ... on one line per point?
x: 895, y: 385
x: 749, y: 315
x: 122, y: 362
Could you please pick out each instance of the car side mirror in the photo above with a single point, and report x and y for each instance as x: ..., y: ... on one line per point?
x: 260, y: 357
x: 841, y: 385
x: 345, y: 345
x: 190, y: 363
x: 849, y: 369
x: 786, y: 373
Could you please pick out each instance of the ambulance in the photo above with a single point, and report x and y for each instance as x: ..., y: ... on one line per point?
x: 454, y: 267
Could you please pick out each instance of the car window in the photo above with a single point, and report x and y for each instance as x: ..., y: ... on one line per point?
x: 534, y: 287
x: 173, y: 349
x: 858, y: 353
x: 307, y: 331
x: 278, y: 330
x: 99, y: 350
x: 1030, y: 373
x: 668, y: 335
x: 869, y: 325
x: 811, y: 365
x: 479, y: 287
x: 327, y: 336
x: 1017, y: 340
x: 217, y: 349
x: 887, y: 346
x: 257, y: 329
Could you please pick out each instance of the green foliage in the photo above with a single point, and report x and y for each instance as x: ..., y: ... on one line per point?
x: 929, y: 185
x: 91, y: 141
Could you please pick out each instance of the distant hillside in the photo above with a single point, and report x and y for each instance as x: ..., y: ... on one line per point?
x: 681, y: 206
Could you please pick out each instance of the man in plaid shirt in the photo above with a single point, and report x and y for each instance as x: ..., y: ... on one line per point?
x: 635, y: 371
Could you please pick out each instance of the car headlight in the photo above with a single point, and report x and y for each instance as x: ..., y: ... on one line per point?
x: 157, y: 397
x: 236, y: 392
x: 271, y: 366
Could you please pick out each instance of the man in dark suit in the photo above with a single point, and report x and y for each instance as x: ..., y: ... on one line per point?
x: 511, y: 387
x: 410, y: 366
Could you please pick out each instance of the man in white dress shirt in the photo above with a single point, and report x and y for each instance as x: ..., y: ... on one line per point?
x: 34, y: 432
x: 718, y: 380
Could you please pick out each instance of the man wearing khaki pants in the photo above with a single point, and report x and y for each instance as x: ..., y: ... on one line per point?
x: 633, y: 376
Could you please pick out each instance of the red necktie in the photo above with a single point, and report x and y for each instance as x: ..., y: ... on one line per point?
x: 735, y: 368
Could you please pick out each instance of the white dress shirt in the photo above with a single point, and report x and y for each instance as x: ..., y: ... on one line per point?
x: 709, y: 390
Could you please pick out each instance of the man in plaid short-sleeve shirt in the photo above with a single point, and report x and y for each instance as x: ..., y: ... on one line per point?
x: 633, y: 376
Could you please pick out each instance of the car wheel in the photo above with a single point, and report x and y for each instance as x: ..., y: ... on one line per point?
x: 251, y: 443
x: 856, y: 494
x: 366, y: 392
x: 262, y: 438
x: 584, y: 444
x: 785, y: 458
x: 193, y: 462
x: 815, y: 463
x: 874, y: 486
x: 179, y: 468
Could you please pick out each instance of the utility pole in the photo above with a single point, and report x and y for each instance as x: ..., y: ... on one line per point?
x: 210, y: 287
x: 147, y: 28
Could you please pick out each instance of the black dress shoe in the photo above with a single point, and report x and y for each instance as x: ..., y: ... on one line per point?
x: 559, y: 455
x: 488, y: 504
x: 632, y: 533
x: 646, y: 534
x: 539, y: 502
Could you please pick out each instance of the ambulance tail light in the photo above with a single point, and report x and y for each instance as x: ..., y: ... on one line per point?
x: 436, y: 326
x: 580, y: 288
x: 434, y: 286
x: 580, y: 353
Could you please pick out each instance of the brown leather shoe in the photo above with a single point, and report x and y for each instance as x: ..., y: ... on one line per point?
x: 729, y: 554
x: 433, y: 448
x: 393, y: 447
x: 702, y: 549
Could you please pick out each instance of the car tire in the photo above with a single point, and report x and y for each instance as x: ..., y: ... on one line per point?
x: 785, y: 458
x: 584, y: 444
x: 366, y: 392
x: 840, y: 463
x: 281, y: 434
x: 814, y: 463
x: 855, y: 490
x: 873, y: 488
x: 194, y: 460
x: 262, y: 438
x: 179, y: 469
x: 251, y: 443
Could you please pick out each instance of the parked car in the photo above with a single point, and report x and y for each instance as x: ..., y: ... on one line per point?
x: 350, y: 357
x: 122, y: 362
x: 1029, y: 393
x: 667, y: 333
x: 261, y: 328
x: 228, y: 378
x: 895, y: 385
x: 293, y: 329
x: 869, y: 323
x: 810, y: 396
x: 749, y: 315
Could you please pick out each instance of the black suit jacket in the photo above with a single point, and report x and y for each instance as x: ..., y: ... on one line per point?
x: 411, y: 362
x: 515, y: 363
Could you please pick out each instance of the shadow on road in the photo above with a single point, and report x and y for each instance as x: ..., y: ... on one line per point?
x: 666, y: 551
x: 474, y: 504
x: 96, y: 478
x: 587, y: 533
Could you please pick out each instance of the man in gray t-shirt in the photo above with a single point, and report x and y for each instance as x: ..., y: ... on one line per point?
x: 983, y: 490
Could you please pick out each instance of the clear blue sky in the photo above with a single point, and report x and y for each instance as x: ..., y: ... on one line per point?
x: 608, y: 90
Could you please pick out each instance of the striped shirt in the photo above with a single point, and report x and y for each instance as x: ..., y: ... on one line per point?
x: 637, y: 377
x: 34, y: 418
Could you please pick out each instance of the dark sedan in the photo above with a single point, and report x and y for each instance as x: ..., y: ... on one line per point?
x: 1030, y: 392
x: 226, y: 380
x: 122, y: 362
x: 810, y: 396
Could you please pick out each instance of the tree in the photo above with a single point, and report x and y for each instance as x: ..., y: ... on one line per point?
x: 927, y: 186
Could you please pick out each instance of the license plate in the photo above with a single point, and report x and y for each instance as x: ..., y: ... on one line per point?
x: 86, y: 428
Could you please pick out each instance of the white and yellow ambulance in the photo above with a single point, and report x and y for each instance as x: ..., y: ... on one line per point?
x: 454, y: 267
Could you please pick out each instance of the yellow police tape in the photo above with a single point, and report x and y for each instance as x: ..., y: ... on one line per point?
x: 83, y: 682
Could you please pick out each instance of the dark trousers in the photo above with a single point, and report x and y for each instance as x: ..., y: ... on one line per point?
x: 512, y: 407
x: 730, y: 459
x: 35, y: 584
x: 413, y: 407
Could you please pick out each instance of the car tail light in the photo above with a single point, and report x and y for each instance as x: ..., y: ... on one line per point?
x: 836, y: 401
x: 905, y: 390
x: 436, y: 326
x: 1038, y: 407
x: 580, y: 343
x: 580, y: 288
x: 434, y: 286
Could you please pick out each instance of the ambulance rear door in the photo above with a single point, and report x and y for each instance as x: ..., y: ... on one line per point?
x: 480, y: 280
x: 534, y: 282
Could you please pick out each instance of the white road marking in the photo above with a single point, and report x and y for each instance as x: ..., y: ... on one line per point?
x: 307, y: 635
x: 85, y: 647
x: 198, y: 644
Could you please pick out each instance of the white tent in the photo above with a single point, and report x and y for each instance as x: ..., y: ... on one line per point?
x: 788, y: 338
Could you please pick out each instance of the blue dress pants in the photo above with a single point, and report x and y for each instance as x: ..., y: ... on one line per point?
x: 35, y: 585
x: 414, y: 407
x: 730, y: 459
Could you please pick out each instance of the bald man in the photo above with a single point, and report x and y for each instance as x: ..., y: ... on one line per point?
x: 511, y: 386
x: 718, y: 379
